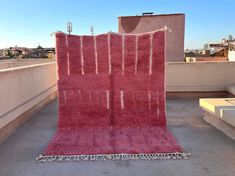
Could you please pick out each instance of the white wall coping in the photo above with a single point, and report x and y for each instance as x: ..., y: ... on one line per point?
x: 25, y: 67
x: 201, y: 62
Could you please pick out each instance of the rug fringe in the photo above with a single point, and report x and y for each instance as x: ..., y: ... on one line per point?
x: 103, y: 157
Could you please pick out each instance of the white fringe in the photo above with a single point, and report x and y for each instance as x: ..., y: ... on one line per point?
x: 103, y: 157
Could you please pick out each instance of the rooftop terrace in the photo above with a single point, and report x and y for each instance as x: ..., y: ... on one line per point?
x: 28, y: 85
x: 212, y: 151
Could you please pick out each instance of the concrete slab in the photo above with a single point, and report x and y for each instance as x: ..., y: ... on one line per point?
x: 212, y: 151
x: 221, y: 108
x: 221, y: 125
x: 216, y: 105
x: 228, y: 115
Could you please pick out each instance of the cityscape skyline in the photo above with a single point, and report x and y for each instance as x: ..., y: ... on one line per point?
x: 32, y: 22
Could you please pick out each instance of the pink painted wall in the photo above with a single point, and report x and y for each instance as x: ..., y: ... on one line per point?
x: 174, y: 39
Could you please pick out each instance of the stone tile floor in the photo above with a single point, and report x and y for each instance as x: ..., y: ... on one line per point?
x: 213, y: 153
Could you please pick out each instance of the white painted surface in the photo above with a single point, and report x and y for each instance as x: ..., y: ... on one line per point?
x: 21, y: 88
x: 221, y: 108
x: 199, y: 76
x: 231, y: 55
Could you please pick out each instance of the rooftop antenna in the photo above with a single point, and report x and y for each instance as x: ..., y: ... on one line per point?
x: 69, y: 27
x: 92, y: 30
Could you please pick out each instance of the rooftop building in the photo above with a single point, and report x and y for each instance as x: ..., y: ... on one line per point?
x: 149, y: 22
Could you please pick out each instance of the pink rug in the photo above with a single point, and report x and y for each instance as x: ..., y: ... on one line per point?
x: 112, y: 99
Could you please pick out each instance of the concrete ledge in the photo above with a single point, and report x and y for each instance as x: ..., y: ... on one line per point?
x: 10, y: 63
x: 220, y: 125
x: 216, y: 105
x: 190, y: 95
x: 8, y: 129
x: 220, y: 112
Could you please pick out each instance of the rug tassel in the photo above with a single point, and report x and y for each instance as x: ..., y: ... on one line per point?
x: 103, y: 157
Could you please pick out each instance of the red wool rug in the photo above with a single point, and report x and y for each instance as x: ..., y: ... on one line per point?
x: 111, y: 99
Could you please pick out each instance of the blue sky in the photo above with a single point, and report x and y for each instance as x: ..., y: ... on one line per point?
x: 30, y: 22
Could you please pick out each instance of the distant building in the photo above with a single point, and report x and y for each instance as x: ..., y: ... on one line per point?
x: 222, y: 51
x: 197, y: 53
x: 23, y: 52
x: 38, y: 52
x: 15, y: 51
x: 149, y: 22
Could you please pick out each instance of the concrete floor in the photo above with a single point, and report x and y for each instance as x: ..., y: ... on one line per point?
x: 213, y: 153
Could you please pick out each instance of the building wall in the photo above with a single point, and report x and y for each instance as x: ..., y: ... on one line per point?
x: 174, y: 39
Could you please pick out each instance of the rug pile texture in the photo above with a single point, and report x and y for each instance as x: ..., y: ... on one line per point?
x: 111, y: 99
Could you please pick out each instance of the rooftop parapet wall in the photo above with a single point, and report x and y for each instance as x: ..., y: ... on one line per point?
x: 146, y: 23
x: 22, y: 88
x: 22, y: 83
x: 199, y: 76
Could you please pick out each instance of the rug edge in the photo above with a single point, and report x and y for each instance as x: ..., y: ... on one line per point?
x: 123, y: 156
